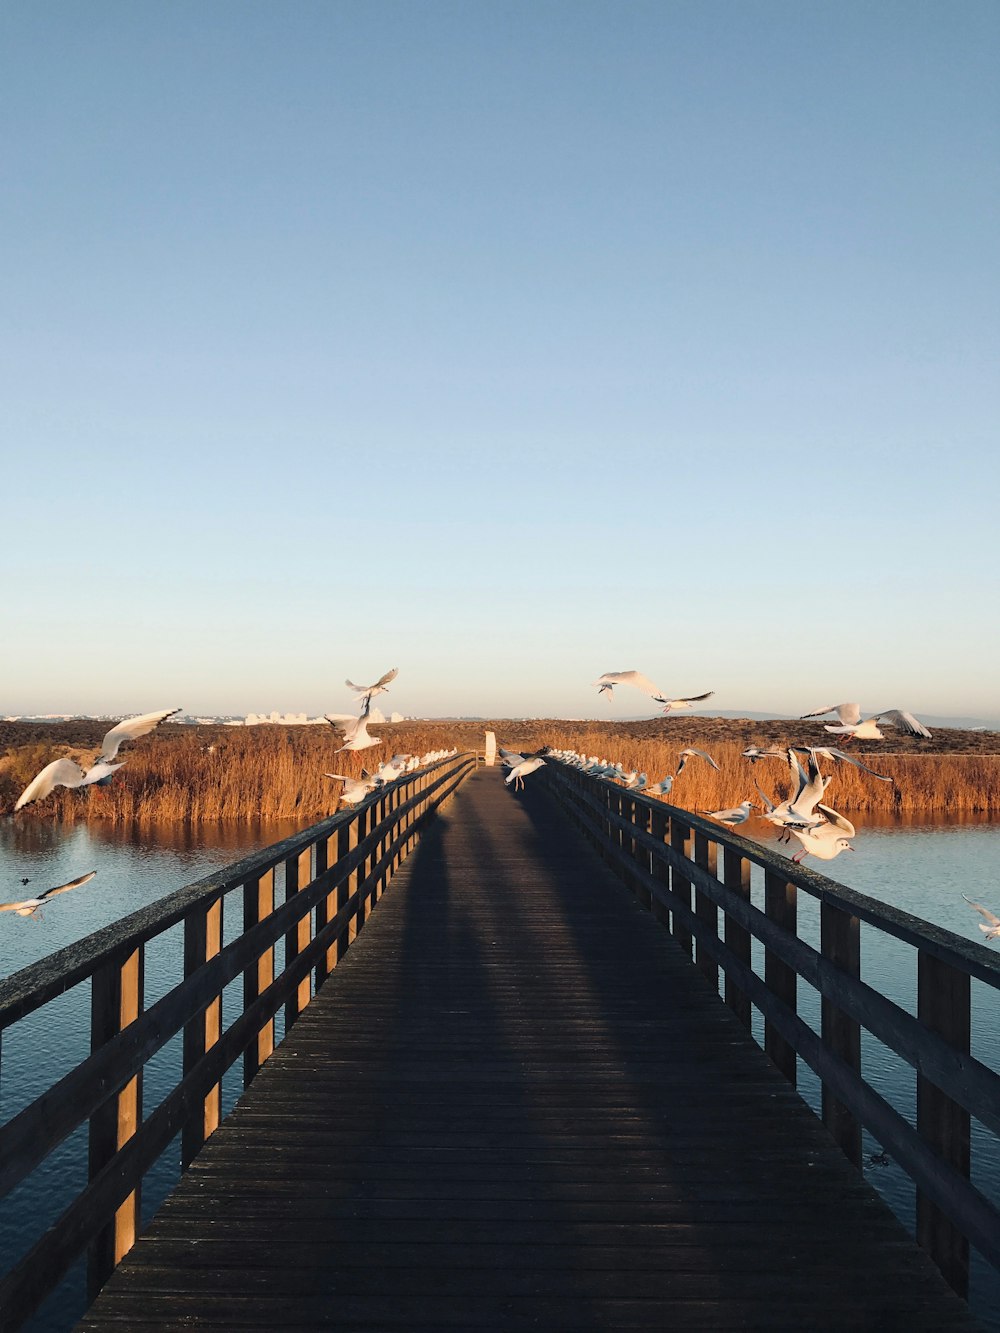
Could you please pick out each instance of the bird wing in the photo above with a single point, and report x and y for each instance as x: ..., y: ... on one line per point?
x: 831, y: 753
x: 130, y: 728
x: 849, y: 714
x: 691, y: 698
x: 384, y: 680
x: 65, y: 888
x: 98, y: 772
x: 905, y: 721
x: 60, y: 773
x: 991, y: 917
x: 635, y: 678
x: 840, y: 821
x: 766, y: 799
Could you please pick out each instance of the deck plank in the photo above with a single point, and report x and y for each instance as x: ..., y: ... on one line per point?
x: 516, y: 1104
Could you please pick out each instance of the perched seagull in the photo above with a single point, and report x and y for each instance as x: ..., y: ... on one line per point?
x: 738, y: 815
x: 691, y: 754
x: 852, y: 727
x: 610, y: 679
x: 825, y: 840
x: 368, y: 692
x: 661, y: 788
x: 670, y: 704
x: 28, y: 906
x: 992, y: 931
x: 518, y: 772
x: 130, y: 729
x: 63, y: 773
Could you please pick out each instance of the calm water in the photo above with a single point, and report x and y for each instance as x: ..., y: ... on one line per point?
x: 923, y: 869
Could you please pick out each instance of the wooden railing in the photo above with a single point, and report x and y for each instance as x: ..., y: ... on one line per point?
x: 670, y: 859
x: 333, y: 873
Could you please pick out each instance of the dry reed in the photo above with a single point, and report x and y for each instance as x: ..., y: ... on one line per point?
x: 203, y: 774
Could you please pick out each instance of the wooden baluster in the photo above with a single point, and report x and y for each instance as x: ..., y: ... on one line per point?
x: 366, y: 822
x: 706, y: 853
x: 202, y: 940
x: 840, y: 941
x: 116, y: 999
x: 641, y: 817
x: 258, y: 904
x: 347, y: 841
x: 944, y: 1006
x: 659, y: 828
x: 736, y: 872
x: 326, y: 856
x: 680, y: 841
x: 298, y: 874
x: 780, y: 907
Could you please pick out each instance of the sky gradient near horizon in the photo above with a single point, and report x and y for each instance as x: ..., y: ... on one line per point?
x: 507, y: 344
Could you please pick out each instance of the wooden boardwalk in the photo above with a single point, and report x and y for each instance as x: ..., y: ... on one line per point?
x: 516, y: 1104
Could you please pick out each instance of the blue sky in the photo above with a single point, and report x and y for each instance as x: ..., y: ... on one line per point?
x: 504, y: 343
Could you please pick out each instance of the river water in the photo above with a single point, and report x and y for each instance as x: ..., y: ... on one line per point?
x: 922, y: 868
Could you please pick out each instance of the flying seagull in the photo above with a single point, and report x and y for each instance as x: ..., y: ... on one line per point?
x: 519, y: 771
x: 685, y: 755
x: 355, y: 733
x: 368, y: 692
x: 992, y: 931
x: 853, y: 727
x: 826, y: 839
x: 28, y: 906
x: 838, y: 756
x: 63, y: 773
x: 670, y: 704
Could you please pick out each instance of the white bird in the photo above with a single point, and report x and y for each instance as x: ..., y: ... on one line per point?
x: 738, y: 815
x: 355, y: 789
x: 355, y: 733
x: 610, y: 679
x: 130, y: 729
x: 685, y: 755
x: 68, y: 773
x: 518, y: 773
x: 670, y: 704
x: 510, y: 757
x: 63, y: 773
x: 838, y: 756
x: 772, y: 752
x: 661, y: 788
x: 28, y: 906
x: 992, y: 931
x: 852, y: 727
x: 381, y: 686
x: 810, y: 790
x: 825, y: 840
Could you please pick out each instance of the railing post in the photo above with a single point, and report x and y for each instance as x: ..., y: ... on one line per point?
x: 641, y: 819
x: 944, y: 1006
x: 780, y: 907
x: 659, y: 828
x: 202, y: 940
x: 326, y: 856
x: 298, y: 873
x: 840, y: 941
x: 258, y: 904
x: 680, y: 885
x: 736, y: 873
x: 366, y: 823
x: 706, y: 856
x: 347, y: 841
x: 115, y: 1001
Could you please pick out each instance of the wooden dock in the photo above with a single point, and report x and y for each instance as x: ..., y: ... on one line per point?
x: 514, y: 1104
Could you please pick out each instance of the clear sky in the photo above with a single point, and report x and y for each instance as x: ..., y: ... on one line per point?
x: 506, y: 343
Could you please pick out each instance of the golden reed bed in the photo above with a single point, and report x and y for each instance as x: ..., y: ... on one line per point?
x: 186, y: 773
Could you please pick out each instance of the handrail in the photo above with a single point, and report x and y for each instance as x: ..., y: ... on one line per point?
x: 336, y: 870
x: 649, y: 844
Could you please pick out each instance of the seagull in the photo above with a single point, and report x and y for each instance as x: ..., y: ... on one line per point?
x: 368, y: 692
x: 355, y: 733
x: 690, y: 754
x: 355, y: 789
x: 28, y: 906
x: 68, y: 773
x: 825, y: 840
x: 838, y: 756
x: 669, y: 704
x: 610, y: 679
x: 738, y: 815
x: 63, y: 773
x: 798, y: 810
x: 852, y: 727
x: 518, y: 772
x: 772, y: 752
x: 992, y: 931
x: 661, y: 788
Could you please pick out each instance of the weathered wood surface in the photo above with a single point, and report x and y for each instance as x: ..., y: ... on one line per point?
x: 515, y: 1103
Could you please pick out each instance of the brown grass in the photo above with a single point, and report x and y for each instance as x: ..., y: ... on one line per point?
x: 182, y: 773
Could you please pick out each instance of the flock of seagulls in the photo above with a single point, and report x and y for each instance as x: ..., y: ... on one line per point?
x: 820, y: 830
